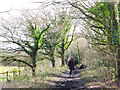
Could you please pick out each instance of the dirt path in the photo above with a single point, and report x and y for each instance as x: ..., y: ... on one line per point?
x: 2, y: 84
x: 65, y: 81
x: 75, y: 82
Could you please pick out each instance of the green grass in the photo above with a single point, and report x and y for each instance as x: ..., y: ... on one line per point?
x: 46, y: 75
x: 90, y: 73
x: 100, y: 76
x: 3, y: 79
x: 44, y: 72
x: 4, y: 69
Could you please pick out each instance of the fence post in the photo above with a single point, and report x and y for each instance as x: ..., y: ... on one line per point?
x: 19, y: 71
x: 13, y: 75
x: 7, y: 76
x: 19, y: 67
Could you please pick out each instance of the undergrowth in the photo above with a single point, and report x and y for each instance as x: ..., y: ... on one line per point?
x: 44, y: 76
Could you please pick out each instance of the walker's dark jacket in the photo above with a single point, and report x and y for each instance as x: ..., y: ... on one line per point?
x: 72, y: 63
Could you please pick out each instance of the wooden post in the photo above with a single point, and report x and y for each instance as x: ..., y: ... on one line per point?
x: 19, y: 71
x: 19, y: 67
x: 7, y: 76
x: 13, y: 75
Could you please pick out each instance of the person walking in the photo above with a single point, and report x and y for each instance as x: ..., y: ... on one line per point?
x: 72, y: 63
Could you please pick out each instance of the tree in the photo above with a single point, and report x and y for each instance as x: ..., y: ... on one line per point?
x: 27, y: 35
x: 102, y: 18
x: 58, y: 38
x: 66, y: 40
x: 66, y: 37
x: 51, y: 40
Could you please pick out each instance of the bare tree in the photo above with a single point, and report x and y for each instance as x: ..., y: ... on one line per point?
x: 27, y: 34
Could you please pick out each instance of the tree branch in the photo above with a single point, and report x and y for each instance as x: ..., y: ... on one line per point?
x: 23, y: 62
x: 88, y: 16
x: 19, y: 44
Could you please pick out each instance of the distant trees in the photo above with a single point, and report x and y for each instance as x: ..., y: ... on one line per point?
x: 102, y: 20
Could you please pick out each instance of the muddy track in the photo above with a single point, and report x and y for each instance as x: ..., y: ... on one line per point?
x: 75, y: 82
x: 65, y: 81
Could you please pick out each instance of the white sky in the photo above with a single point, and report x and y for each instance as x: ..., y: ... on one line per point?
x: 18, y: 4
x: 15, y: 5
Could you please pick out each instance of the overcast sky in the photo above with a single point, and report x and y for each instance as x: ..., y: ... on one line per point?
x: 18, y: 4
x: 15, y: 5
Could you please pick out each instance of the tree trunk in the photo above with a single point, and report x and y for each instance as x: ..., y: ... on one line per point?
x: 79, y: 58
x: 63, y: 54
x: 33, y: 72
x: 34, y: 64
x: 52, y: 59
x: 118, y: 65
x: 63, y: 59
x: 53, y: 63
x: 115, y: 37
